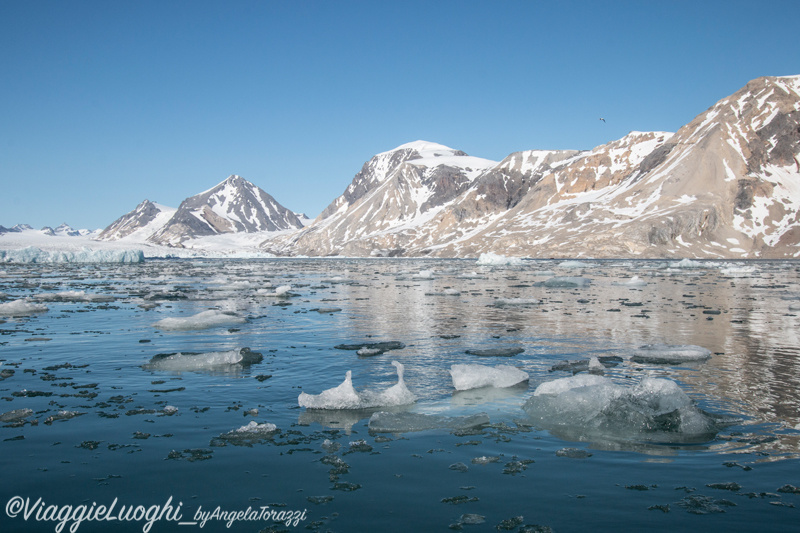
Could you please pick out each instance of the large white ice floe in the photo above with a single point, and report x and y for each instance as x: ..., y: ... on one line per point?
x: 85, y: 255
x: 190, y: 361
x: 205, y: 319
x: 670, y: 354
x: 344, y: 396
x: 587, y: 407
x: 490, y: 259
x: 22, y: 307
x: 467, y: 377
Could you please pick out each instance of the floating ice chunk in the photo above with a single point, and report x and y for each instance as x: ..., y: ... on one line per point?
x: 255, y: 428
x: 387, y: 422
x: 248, y: 435
x: 203, y: 320
x: 590, y: 407
x: 282, y: 290
x: 516, y: 302
x: 344, y: 396
x: 190, y: 361
x: 475, y: 376
x: 23, y: 307
x: 635, y: 281
x: 670, y: 354
x: 498, y: 260
x: 738, y: 271
x: 566, y: 282
x: 687, y: 263
x: 16, y: 415
x: 85, y: 255
x: 372, y: 348
x: 423, y: 274
x: 572, y: 264
x: 509, y: 351
x: 604, y: 361
x: 446, y: 292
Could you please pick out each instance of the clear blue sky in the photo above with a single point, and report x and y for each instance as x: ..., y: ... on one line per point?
x: 106, y: 103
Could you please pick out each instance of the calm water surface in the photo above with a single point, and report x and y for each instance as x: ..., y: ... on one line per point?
x: 104, y: 426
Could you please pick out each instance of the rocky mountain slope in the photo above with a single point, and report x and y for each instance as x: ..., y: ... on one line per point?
x: 725, y: 185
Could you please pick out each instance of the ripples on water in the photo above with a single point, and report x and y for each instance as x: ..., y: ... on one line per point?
x: 103, y: 424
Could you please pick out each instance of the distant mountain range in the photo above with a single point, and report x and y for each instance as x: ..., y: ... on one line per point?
x: 726, y: 185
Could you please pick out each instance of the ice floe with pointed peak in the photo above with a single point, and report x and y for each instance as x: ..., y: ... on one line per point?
x: 204, y: 320
x: 670, y: 354
x: 491, y: 259
x: 22, y: 307
x: 590, y: 407
x: 345, y: 396
x: 468, y: 376
x: 191, y: 361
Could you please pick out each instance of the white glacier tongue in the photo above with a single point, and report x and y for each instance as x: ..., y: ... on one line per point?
x: 85, y: 255
x: 467, y: 377
x: 594, y: 408
x: 344, y: 396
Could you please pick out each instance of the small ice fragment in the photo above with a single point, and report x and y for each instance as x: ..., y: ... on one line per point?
x: 169, y: 410
x: 467, y: 377
x: 572, y: 264
x: 670, y: 354
x: 203, y: 320
x: 16, y: 415
x: 635, y: 281
x: 497, y: 352
x: 283, y: 290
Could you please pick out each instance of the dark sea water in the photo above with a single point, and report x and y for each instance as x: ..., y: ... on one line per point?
x: 106, y: 427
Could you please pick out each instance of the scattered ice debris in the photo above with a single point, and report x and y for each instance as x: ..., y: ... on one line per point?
x: 372, y: 348
x: 670, y: 354
x: 604, y: 361
x: 509, y: 351
x: 344, y: 396
x: 73, y: 296
x: 587, y: 406
x: 388, y: 422
x: 566, y: 282
x: 85, y: 255
x: 203, y: 320
x: 22, y: 307
x: 16, y: 415
x: 635, y: 281
x: 475, y: 376
x: 498, y: 260
x: 190, y: 361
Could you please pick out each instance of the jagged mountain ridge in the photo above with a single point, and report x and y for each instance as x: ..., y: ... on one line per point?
x: 725, y: 185
x: 233, y: 206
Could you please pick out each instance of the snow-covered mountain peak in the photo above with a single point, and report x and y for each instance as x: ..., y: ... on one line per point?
x: 423, y: 147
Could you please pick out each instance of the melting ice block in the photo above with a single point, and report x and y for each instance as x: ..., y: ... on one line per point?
x: 203, y: 320
x: 590, y: 407
x: 190, y: 361
x: 344, y: 396
x: 467, y: 377
x: 670, y: 354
